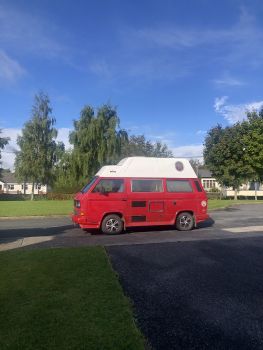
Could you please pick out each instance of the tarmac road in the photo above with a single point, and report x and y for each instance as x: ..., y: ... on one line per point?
x: 243, y: 220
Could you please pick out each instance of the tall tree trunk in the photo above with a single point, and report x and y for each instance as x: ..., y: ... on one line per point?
x: 256, y: 193
x: 32, y: 193
x: 235, y: 197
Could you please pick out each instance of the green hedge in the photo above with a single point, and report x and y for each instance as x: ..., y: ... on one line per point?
x: 14, y: 197
x: 37, y: 197
x: 59, y: 196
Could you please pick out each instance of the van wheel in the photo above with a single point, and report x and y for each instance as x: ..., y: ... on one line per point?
x: 112, y: 224
x: 184, y: 222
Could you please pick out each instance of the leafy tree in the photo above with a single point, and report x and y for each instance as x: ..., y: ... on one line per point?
x: 65, y: 178
x: 96, y: 140
x: 196, y: 164
x: 37, y: 156
x: 252, y: 140
x: 3, y: 143
x: 224, y: 156
x: 137, y: 145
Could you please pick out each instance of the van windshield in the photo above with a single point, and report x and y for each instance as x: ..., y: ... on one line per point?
x: 89, y: 184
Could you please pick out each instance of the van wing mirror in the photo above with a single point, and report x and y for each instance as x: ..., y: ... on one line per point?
x: 102, y: 190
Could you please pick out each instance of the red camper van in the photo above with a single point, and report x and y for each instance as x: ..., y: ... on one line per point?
x: 142, y: 191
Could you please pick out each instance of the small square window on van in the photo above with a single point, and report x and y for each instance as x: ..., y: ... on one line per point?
x: 147, y: 186
x: 179, y: 186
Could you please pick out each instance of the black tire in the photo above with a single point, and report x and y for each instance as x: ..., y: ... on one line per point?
x: 112, y: 225
x: 184, y: 221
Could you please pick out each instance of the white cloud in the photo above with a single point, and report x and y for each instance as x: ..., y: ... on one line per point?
x: 220, y: 102
x: 8, y: 153
x: 63, y: 135
x: 168, y: 51
x: 188, y: 151
x: 228, y: 81
x: 101, y: 68
x: 168, y: 36
x: 245, y: 32
x: 10, y: 70
x: 26, y: 33
x: 235, y: 113
x: 201, y: 132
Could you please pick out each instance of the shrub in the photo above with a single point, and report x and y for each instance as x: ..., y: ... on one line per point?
x: 59, y: 196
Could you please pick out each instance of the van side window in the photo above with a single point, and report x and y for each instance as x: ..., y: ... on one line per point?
x: 109, y: 186
x: 179, y: 186
x: 198, y: 187
x: 147, y: 186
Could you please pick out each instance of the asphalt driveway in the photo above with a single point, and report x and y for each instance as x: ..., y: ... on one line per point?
x: 195, y: 295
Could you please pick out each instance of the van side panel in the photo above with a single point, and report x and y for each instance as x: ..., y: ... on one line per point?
x: 141, y: 207
x: 101, y: 204
x: 201, y: 209
x: 178, y: 202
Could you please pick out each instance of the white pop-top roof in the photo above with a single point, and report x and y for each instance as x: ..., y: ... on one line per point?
x: 149, y: 167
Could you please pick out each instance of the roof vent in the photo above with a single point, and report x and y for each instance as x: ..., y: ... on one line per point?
x: 179, y: 166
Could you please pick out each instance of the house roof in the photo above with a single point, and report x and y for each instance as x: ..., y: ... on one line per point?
x: 8, y: 178
x: 204, y: 173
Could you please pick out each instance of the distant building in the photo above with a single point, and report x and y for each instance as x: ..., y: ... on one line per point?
x: 9, y: 184
x: 208, y: 181
x: 210, y: 184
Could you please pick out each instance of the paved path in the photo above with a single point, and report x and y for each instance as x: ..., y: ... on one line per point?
x: 59, y: 232
x: 195, y: 295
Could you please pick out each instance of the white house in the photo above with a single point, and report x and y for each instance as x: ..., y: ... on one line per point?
x: 249, y: 189
x: 10, y: 185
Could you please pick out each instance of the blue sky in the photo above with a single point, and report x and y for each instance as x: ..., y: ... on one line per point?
x: 173, y: 68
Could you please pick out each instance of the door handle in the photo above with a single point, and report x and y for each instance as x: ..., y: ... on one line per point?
x: 174, y: 203
x: 124, y: 200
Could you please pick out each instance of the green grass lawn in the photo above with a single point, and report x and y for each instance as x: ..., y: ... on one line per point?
x: 224, y: 203
x: 63, y: 299
x: 65, y: 207
x: 35, y: 208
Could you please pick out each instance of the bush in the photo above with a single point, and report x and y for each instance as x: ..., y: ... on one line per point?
x: 252, y: 198
x: 37, y: 197
x: 14, y: 197
x: 213, y: 195
x: 59, y: 196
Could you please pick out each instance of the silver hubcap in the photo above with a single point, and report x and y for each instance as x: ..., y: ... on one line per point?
x: 112, y: 225
x: 185, y: 221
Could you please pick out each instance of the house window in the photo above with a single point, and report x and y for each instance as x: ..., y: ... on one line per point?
x: 38, y: 187
x: 209, y: 184
x: 147, y: 186
x: 24, y: 186
x: 11, y: 187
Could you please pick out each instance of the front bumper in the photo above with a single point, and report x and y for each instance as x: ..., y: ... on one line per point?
x: 201, y: 217
x: 83, y: 221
